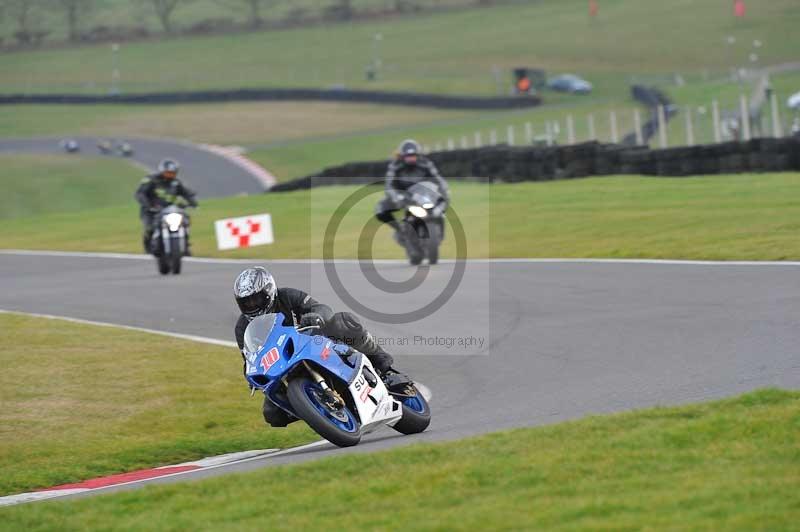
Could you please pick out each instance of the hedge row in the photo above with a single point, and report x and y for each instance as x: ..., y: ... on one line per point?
x: 243, y: 95
x: 513, y: 164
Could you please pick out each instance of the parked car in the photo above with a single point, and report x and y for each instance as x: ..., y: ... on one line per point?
x: 794, y: 101
x: 569, y: 83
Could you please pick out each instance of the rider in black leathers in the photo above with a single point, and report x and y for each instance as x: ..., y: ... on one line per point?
x: 160, y: 190
x: 256, y: 293
x: 408, y: 168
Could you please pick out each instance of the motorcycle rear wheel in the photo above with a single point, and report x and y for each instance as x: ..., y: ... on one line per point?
x: 433, y: 242
x: 338, y: 427
x: 416, y: 413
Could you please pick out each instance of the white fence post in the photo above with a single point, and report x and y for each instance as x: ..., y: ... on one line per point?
x: 548, y: 132
x: 528, y: 133
x: 590, y: 124
x: 637, y: 125
x: 715, y: 118
x: 464, y: 143
x: 662, y: 127
x: 744, y: 116
x: 437, y: 146
x: 777, y: 127
x: 570, y: 130
x: 689, y: 126
x: 450, y: 145
x: 510, y: 135
x: 493, y: 137
x: 612, y: 116
x: 478, y: 139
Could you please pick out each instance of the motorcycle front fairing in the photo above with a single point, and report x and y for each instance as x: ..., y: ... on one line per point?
x: 172, y: 222
x: 273, y: 351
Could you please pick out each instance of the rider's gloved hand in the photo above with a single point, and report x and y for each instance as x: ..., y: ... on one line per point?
x: 396, y: 196
x: 311, y: 319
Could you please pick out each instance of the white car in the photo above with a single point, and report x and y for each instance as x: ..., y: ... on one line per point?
x: 569, y: 83
x: 794, y: 101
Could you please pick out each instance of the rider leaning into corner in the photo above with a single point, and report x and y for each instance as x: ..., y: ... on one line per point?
x: 408, y: 168
x: 256, y: 293
x: 160, y: 190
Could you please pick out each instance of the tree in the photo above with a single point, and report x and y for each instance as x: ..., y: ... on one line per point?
x: 73, y: 9
x: 164, y: 9
x: 339, y: 10
x: 22, y: 12
x: 255, y: 8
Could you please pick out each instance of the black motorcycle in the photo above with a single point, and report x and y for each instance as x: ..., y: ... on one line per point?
x: 423, y: 222
x: 170, y: 240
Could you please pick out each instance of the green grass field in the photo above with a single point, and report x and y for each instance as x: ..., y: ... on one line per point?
x: 73, y: 409
x: 727, y: 465
x: 453, y: 52
x: 37, y: 184
x: 747, y: 217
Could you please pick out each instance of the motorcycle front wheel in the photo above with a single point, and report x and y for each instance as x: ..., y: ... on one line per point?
x: 338, y: 426
x: 175, y: 254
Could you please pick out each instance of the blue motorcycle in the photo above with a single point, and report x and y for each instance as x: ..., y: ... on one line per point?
x: 331, y: 387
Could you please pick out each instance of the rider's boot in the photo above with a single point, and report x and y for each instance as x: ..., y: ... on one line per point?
x: 146, y: 243
x: 382, y: 362
x: 399, y: 231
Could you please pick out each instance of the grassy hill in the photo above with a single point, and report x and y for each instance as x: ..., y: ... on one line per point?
x: 452, y: 52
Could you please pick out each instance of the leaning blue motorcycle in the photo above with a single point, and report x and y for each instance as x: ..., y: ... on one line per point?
x: 334, y: 389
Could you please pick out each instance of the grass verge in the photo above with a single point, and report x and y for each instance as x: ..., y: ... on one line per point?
x: 83, y: 401
x: 738, y: 217
x: 725, y: 465
x: 35, y: 185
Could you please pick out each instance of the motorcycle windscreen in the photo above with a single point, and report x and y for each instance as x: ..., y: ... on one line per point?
x: 257, y: 333
x: 425, y: 193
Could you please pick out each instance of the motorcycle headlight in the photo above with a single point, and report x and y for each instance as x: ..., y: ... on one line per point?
x: 174, y: 221
x: 428, y: 205
x: 418, y: 211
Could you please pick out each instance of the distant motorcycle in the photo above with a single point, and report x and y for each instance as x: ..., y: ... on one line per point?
x: 423, y: 222
x: 125, y: 149
x: 105, y: 147
x: 170, y: 240
x: 334, y: 389
x: 70, y: 146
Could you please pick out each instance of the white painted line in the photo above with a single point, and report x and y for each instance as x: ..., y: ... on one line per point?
x: 52, y: 494
x: 21, y: 498
x: 190, y: 337
x: 224, y: 459
x: 522, y: 260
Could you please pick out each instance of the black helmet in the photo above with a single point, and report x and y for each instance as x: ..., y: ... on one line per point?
x: 168, y: 168
x: 255, y: 291
x: 409, y: 147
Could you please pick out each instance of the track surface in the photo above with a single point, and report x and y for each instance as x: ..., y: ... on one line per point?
x: 562, y: 340
x: 210, y: 175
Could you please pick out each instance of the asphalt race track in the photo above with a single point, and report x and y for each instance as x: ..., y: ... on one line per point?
x: 561, y: 339
x: 208, y: 174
